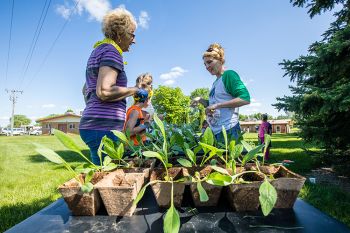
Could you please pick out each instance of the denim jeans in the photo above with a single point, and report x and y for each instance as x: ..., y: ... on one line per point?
x: 93, y: 138
x: 232, y: 133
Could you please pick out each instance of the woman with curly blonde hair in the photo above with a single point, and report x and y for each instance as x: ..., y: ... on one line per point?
x: 106, y: 82
x: 227, y: 94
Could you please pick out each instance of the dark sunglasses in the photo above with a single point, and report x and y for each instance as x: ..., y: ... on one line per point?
x: 210, y: 50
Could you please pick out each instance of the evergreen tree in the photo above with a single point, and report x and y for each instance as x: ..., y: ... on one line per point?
x: 320, y: 97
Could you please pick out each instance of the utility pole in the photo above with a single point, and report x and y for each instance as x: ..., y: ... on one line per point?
x: 13, y: 99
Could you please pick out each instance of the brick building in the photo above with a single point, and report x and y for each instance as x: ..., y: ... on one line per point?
x: 68, y: 123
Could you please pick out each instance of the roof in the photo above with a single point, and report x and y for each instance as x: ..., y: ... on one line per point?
x: 272, y: 122
x: 67, y: 114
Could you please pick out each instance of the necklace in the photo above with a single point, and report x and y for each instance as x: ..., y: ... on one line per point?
x: 110, y: 41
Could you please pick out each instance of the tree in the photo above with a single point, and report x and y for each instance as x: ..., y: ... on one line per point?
x: 20, y: 120
x: 197, y: 115
x: 69, y: 110
x: 173, y: 103
x: 320, y: 97
x: 200, y: 92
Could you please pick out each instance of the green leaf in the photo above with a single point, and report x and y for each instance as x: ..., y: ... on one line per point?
x: 87, y: 187
x: 225, y: 135
x: 110, y: 167
x: 267, y: 198
x: 184, y: 162
x: 83, y: 168
x: 67, y: 141
x: 252, y: 154
x: 89, y: 176
x: 203, y: 196
x: 142, y: 192
x: 219, y: 179
x: 108, y: 147
x: 120, y: 135
x: 48, y: 154
x: 191, y: 156
x: 213, y: 162
x: 208, y: 136
x: 237, y: 151
x: 160, y: 125
x: 246, y: 145
x: 152, y: 154
x: 171, y: 220
x: 120, y: 151
x: 107, y: 161
x: 220, y: 169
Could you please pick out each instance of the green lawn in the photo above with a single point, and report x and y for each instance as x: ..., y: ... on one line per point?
x: 29, y: 182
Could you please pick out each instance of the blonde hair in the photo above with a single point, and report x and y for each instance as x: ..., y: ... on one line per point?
x: 117, y: 23
x: 144, y: 80
x: 215, y: 51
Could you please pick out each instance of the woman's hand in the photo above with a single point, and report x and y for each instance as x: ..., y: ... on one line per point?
x: 211, y: 109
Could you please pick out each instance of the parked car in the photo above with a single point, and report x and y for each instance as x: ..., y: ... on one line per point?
x: 36, y: 132
x: 16, y: 131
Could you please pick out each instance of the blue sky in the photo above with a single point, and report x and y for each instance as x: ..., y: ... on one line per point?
x: 171, y: 38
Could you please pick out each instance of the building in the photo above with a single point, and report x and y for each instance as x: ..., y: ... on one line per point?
x: 278, y: 126
x: 68, y: 123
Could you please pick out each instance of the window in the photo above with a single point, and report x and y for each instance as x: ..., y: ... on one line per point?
x: 48, y: 126
x: 72, y: 126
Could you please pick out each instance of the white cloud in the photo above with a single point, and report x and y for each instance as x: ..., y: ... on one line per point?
x: 48, y: 106
x: 29, y: 106
x: 254, y: 103
x: 174, y: 73
x: 169, y: 82
x: 143, y: 20
x: 95, y: 8
x: 64, y: 11
x: 4, y: 118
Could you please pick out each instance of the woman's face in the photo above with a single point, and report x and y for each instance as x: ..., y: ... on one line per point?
x: 213, y: 65
x: 128, y: 40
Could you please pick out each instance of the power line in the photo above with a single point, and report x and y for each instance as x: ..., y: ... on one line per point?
x: 34, y: 36
x: 52, y: 46
x: 9, y: 47
x: 35, y: 42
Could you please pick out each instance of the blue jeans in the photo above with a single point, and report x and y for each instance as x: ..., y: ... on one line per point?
x: 93, y: 138
x: 232, y: 134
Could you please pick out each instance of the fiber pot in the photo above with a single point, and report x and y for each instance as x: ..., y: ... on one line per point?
x: 81, y: 204
x: 118, y: 190
x: 287, y: 185
x: 146, y: 169
x: 213, y: 192
x: 162, y: 190
x: 245, y: 197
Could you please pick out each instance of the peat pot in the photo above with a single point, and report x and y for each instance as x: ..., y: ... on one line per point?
x: 245, y: 197
x: 146, y: 169
x: 81, y: 204
x: 162, y: 190
x: 118, y: 190
x: 213, y: 191
x: 287, y: 185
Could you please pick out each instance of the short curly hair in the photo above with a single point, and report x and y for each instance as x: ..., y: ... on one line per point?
x: 117, y: 23
x: 215, y: 51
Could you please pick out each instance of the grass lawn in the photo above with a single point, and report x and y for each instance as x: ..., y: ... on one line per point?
x: 29, y: 182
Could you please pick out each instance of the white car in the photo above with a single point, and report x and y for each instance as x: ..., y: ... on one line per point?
x: 36, y: 132
x: 16, y: 131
